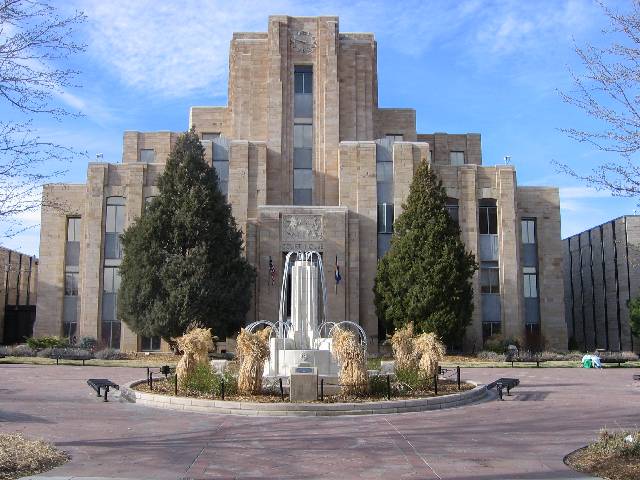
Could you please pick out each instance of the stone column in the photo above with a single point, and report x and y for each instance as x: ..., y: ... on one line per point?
x: 304, y: 303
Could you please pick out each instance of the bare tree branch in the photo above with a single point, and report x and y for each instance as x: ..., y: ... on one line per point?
x: 35, y: 42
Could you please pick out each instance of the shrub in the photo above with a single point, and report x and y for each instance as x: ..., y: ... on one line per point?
x: 412, y: 378
x: 491, y: 356
x: 205, y: 381
x: 378, y: 385
x: 6, y: 350
x: 71, y: 353
x: 494, y: 344
x: 110, y: 354
x: 87, y: 343
x: 23, y: 351
x: 352, y: 358
x: 628, y: 356
x: 44, y: 353
x: 47, y: 342
x: 617, y: 444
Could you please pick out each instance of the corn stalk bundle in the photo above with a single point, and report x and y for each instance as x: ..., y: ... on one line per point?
x: 195, y: 345
x: 430, y: 350
x: 404, y: 348
x: 353, y: 361
x: 253, y: 351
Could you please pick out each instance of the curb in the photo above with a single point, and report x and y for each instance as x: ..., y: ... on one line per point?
x: 186, y: 404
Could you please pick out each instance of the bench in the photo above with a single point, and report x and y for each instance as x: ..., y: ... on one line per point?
x: 501, y: 383
x: 102, y: 383
x: 59, y: 357
x: 613, y: 360
x: 520, y: 360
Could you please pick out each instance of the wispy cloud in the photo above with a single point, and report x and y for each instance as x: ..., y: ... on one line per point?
x: 582, y: 192
x: 173, y: 49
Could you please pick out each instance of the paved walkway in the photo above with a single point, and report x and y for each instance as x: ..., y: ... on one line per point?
x: 553, y: 412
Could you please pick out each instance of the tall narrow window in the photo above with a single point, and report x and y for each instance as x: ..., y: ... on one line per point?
x: 451, y: 205
x: 529, y: 259
x: 114, y: 227
x: 303, y: 136
x: 110, y: 334
x: 221, y: 163
x: 490, y: 293
x: 71, y: 279
x: 384, y: 188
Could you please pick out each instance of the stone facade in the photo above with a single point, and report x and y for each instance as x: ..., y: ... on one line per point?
x: 602, y: 273
x: 17, y: 295
x: 303, y: 139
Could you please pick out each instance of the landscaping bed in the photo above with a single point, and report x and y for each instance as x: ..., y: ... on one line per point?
x: 167, y: 387
x: 615, y: 456
x: 20, y: 457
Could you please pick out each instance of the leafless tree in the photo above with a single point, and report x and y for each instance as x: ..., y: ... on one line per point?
x: 609, y: 91
x: 35, y: 42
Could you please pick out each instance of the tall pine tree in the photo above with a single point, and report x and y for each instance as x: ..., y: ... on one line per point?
x: 183, y: 258
x: 425, y: 277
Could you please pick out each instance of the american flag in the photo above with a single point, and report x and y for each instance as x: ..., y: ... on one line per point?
x: 272, y: 272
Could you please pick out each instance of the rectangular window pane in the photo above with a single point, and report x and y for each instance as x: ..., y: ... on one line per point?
x: 384, y: 243
x: 492, y: 213
x: 456, y: 158
x: 307, y: 136
x: 302, y: 105
x: 385, y: 192
x: 220, y: 152
x: 147, y: 155
x: 120, y: 218
x: 302, y: 196
x: 298, y: 80
x: 302, y: 158
x: 385, y: 218
x: 298, y: 134
x: 483, y: 221
x: 222, y: 169
x: 107, y: 285
x: 111, y: 219
x: 71, y: 284
x: 384, y: 172
x: 302, y: 178
x: 224, y: 188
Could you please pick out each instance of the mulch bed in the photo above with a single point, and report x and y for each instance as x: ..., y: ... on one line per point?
x: 166, y: 387
x: 613, y: 468
x: 20, y: 457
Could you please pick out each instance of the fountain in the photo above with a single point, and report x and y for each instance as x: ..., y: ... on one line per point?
x: 304, y: 339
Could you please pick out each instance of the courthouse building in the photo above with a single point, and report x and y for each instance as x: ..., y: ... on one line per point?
x: 309, y: 161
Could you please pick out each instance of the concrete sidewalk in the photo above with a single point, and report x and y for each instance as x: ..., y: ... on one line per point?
x: 552, y: 412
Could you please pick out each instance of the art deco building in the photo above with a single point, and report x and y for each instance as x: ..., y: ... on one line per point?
x: 309, y: 161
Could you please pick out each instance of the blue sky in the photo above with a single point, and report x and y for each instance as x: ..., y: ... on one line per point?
x: 492, y: 67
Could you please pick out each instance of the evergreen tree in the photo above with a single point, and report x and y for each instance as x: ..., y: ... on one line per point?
x: 425, y: 277
x: 183, y: 260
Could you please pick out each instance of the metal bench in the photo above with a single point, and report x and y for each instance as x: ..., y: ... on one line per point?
x: 102, y: 383
x: 521, y: 360
x: 502, y: 383
x: 613, y: 360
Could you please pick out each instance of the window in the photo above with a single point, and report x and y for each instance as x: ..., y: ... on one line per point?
x: 489, y: 277
x: 303, y: 79
x: 221, y: 163
x: 72, y: 248
x: 303, y: 136
x: 209, y: 136
x: 149, y: 344
x: 489, y: 329
x: 530, y: 282
x: 528, y: 231
x: 384, y: 190
x: 385, y: 218
x: 451, y: 204
x: 71, y: 284
x: 456, y: 158
x: 114, y: 227
x: 110, y: 333
x: 394, y: 137
x: 71, y: 278
x: 147, y: 155
x: 488, y: 217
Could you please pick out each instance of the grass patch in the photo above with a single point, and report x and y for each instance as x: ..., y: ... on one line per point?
x: 20, y: 457
x: 615, y: 456
x: 149, y: 361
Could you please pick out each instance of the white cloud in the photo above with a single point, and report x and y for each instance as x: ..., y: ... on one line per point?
x: 173, y: 49
x: 582, y: 192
